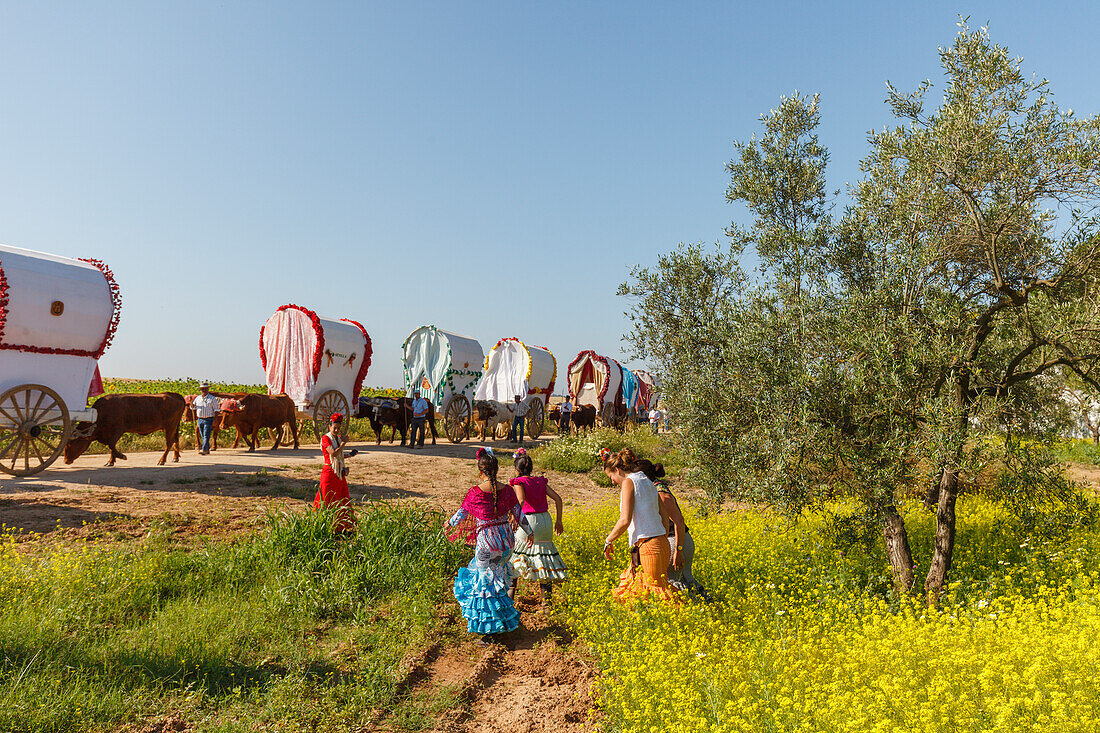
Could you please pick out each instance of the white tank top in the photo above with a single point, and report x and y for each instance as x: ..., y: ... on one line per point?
x: 646, y: 521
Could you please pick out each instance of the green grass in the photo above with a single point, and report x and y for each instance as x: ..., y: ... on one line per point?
x: 1079, y: 451
x: 292, y: 628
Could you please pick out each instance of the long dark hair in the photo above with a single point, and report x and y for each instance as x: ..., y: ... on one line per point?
x: 523, y: 463
x: 488, y: 465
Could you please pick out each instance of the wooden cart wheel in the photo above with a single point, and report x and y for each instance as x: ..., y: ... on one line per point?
x: 34, y: 428
x: 456, y: 418
x: 536, y: 419
x: 330, y: 402
x: 607, y: 415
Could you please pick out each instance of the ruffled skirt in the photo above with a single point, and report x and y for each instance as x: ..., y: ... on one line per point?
x: 540, y: 561
x: 334, y: 493
x: 481, y: 588
x: 650, y: 578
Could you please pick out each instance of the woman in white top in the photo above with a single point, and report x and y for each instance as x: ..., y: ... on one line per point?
x: 641, y: 517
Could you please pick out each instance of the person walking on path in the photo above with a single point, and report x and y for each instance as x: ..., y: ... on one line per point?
x: 521, y: 408
x: 566, y: 415
x: 642, y: 518
x: 535, y: 557
x: 334, y: 484
x: 205, y: 404
x: 483, y: 588
x: 420, y: 416
x: 655, y: 420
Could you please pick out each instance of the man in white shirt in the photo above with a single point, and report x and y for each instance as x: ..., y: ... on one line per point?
x: 419, y: 419
x: 205, y: 406
x: 655, y: 419
x: 521, y: 409
x: 566, y: 415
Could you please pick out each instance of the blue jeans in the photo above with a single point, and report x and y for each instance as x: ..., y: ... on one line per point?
x: 517, y: 429
x: 206, y: 427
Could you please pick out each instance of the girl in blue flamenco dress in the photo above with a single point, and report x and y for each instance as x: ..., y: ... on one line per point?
x: 483, y: 587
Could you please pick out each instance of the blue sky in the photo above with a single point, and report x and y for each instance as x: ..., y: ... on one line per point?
x: 493, y: 168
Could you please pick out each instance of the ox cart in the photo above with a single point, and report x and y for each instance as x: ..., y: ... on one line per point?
x: 320, y: 363
x: 446, y: 368
x: 598, y: 381
x: 514, y: 368
x: 649, y: 390
x: 57, y: 317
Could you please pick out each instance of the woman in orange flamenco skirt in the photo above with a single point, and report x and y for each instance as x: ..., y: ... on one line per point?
x: 334, y: 484
x: 641, y: 518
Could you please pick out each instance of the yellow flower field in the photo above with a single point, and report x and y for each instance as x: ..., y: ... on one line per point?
x: 804, y: 634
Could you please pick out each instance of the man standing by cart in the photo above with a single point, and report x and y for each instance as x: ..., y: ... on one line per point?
x: 522, y: 409
x: 419, y: 420
x: 566, y: 415
x: 205, y: 406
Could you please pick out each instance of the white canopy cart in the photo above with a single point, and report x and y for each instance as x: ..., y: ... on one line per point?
x: 446, y: 368
x: 320, y: 363
x: 598, y: 381
x: 514, y: 368
x: 57, y: 317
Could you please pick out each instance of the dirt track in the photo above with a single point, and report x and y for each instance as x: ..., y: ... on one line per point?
x: 536, y: 680
x: 229, y: 490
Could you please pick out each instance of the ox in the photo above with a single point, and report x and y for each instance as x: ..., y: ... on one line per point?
x: 584, y: 417
x: 396, y: 414
x: 117, y: 414
x: 489, y: 414
x: 255, y: 411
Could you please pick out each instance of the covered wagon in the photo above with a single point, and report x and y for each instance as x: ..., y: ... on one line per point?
x: 650, y: 390
x: 57, y: 317
x: 514, y: 368
x: 597, y: 381
x: 446, y: 368
x: 320, y: 363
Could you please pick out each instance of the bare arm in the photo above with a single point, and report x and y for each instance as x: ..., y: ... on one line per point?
x: 626, y: 513
x: 670, y: 509
x: 557, y: 501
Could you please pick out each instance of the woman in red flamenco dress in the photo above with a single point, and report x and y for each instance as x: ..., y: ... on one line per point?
x: 334, y: 484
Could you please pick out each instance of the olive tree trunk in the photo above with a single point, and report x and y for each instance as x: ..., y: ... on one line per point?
x: 897, y: 549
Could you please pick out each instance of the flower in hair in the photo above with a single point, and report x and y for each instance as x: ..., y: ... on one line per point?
x: 521, y: 451
x: 483, y: 452
x: 605, y: 454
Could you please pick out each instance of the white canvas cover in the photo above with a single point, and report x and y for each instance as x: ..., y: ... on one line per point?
x: 31, y: 283
x: 341, y: 357
x: 441, y: 363
x: 515, y: 368
x: 290, y: 342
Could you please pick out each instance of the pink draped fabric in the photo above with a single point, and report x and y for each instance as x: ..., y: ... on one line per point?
x: 479, y: 506
x: 289, y: 341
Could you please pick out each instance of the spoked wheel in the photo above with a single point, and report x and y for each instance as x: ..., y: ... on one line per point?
x: 330, y: 402
x: 456, y: 418
x: 34, y: 428
x: 536, y: 419
x: 607, y: 415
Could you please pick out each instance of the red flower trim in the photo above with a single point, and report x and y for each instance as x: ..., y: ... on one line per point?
x: 116, y: 304
x: 368, y: 352
x: 112, y: 326
x: 3, y: 302
x: 319, y: 348
x: 602, y: 360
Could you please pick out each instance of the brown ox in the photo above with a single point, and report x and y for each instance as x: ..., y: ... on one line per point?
x: 584, y: 417
x: 261, y: 411
x: 117, y: 414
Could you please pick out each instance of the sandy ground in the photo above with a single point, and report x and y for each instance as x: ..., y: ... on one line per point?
x: 230, y: 489
x: 536, y: 679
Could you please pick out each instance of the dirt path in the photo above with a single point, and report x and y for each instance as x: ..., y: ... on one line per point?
x: 536, y: 679
x: 229, y: 490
